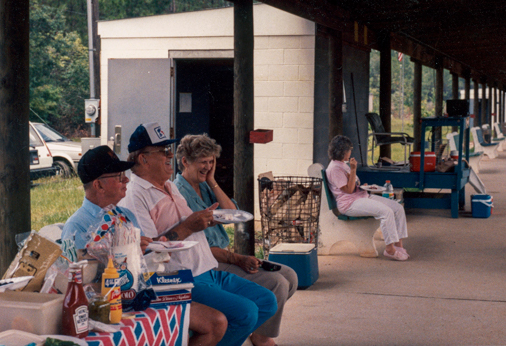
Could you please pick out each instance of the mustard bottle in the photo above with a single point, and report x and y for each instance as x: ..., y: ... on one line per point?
x: 109, y: 280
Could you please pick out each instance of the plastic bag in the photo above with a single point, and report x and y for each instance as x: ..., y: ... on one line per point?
x: 35, y: 258
x: 115, y: 236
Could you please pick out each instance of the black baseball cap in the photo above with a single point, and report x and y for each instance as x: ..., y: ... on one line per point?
x: 98, y: 161
x: 149, y: 134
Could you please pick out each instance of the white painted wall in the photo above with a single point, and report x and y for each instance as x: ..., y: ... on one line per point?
x: 283, y: 71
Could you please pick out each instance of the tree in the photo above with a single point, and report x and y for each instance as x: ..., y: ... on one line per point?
x: 59, y: 78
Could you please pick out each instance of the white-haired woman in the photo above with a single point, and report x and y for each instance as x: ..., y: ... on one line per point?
x: 196, y: 156
x: 353, y: 201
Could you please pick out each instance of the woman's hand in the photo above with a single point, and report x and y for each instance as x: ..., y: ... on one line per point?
x: 210, y: 175
x: 353, y: 164
x: 249, y: 264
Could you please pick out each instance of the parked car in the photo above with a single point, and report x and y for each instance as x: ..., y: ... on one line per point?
x: 41, y: 160
x: 66, y: 153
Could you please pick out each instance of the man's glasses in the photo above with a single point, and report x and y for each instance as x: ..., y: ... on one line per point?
x: 166, y: 151
x: 120, y: 176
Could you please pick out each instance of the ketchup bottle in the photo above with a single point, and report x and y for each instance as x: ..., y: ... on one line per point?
x: 75, y: 305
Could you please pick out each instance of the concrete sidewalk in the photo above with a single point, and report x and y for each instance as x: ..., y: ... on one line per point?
x: 450, y: 292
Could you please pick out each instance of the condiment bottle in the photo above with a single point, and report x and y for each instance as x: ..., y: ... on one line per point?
x: 109, y: 280
x: 100, y: 309
x: 389, y: 190
x: 75, y: 305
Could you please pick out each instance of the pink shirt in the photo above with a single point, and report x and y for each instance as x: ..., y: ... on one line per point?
x: 159, y: 210
x: 337, y: 176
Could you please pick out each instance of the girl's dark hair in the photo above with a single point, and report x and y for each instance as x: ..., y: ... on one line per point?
x: 338, y: 147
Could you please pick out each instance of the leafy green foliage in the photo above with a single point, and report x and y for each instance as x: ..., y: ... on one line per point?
x: 59, y: 79
x: 59, y: 71
x: 428, y: 85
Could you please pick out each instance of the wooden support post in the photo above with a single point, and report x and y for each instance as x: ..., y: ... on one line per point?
x: 467, y: 92
x: 417, y: 105
x: 455, y: 93
x: 490, y: 104
x: 494, y: 120
x: 483, y: 118
x: 385, y: 101
x: 501, y: 107
x: 243, y: 122
x: 439, y: 98
x: 14, y: 142
x: 335, y: 83
x: 476, y: 106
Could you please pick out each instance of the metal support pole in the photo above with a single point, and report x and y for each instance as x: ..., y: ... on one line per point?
x: 335, y: 83
x: 243, y: 122
x: 476, y: 106
x: 385, y: 101
x: 14, y: 143
x: 455, y: 93
x: 417, y: 105
x: 439, y: 98
x: 483, y: 118
x: 91, y: 51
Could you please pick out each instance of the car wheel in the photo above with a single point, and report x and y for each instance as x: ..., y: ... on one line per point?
x: 62, y: 169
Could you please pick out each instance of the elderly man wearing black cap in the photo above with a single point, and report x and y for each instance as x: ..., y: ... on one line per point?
x: 162, y: 210
x: 105, y: 184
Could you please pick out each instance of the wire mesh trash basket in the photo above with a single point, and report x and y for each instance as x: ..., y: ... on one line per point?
x: 289, y: 210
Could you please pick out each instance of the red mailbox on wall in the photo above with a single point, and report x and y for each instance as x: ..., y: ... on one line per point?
x: 260, y: 136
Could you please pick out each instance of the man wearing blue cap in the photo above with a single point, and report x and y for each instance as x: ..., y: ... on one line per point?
x: 162, y: 210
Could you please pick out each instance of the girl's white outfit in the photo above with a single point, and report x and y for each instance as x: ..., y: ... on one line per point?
x: 389, y: 212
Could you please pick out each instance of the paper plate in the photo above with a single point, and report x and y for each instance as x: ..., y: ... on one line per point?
x: 14, y: 283
x: 231, y: 216
x: 171, y: 246
x: 372, y: 188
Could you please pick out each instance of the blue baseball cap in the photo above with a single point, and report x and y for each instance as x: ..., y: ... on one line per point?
x: 146, y: 135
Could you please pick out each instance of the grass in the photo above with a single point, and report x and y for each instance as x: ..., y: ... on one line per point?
x: 259, y: 251
x: 54, y: 200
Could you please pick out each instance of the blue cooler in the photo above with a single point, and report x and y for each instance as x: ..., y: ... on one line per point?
x: 300, y: 257
x: 482, y: 205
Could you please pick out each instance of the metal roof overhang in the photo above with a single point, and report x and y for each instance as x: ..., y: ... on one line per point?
x: 469, y: 35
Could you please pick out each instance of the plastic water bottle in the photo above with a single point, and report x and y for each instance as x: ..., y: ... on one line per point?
x: 389, y: 190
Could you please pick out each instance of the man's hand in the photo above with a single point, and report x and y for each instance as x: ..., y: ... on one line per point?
x: 249, y: 264
x: 200, y: 220
x: 145, y: 241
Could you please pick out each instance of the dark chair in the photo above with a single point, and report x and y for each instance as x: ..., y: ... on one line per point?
x: 381, y: 137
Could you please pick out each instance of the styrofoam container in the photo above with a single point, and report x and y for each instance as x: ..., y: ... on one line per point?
x: 19, y: 338
x: 38, y: 313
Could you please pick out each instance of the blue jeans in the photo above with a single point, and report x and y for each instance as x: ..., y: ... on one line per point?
x: 245, y: 304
